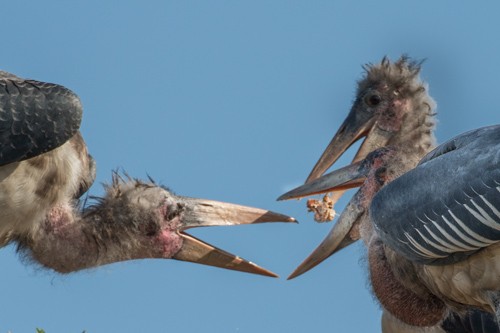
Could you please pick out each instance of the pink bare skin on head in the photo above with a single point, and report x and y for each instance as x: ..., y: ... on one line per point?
x: 170, y: 243
x: 168, y: 240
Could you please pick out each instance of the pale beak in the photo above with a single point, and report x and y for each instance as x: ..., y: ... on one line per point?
x: 358, y: 124
x: 345, y: 230
x: 355, y: 126
x: 203, y: 213
x: 340, y: 236
x: 338, y: 180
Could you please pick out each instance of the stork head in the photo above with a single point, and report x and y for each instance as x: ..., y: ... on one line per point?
x: 370, y: 174
x: 391, y: 108
x: 138, y: 220
x: 391, y: 105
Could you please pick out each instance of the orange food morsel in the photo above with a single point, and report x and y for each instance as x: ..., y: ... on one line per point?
x: 323, y: 209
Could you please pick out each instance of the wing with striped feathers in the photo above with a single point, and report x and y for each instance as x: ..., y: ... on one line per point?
x: 35, y: 117
x: 448, y: 207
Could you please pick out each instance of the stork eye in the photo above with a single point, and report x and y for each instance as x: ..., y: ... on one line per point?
x: 373, y: 99
x: 381, y: 175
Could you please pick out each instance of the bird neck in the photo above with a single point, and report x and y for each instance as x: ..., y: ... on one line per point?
x: 62, y: 242
x: 115, y: 229
x: 418, y: 125
x: 399, y: 290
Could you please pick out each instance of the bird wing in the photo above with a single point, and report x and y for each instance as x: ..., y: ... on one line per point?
x: 448, y: 207
x: 35, y: 117
x: 473, y: 321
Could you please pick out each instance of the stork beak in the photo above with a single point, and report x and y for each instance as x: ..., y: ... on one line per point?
x: 342, y: 179
x: 355, y: 126
x: 343, y: 233
x: 340, y: 236
x: 204, y: 213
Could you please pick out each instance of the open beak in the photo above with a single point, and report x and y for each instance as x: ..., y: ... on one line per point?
x: 343, y: 234
x: 345, y: 230
x: 356, y: 126
x: 204, y: 213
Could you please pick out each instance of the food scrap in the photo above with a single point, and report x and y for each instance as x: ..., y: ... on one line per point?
x: 323, y: 209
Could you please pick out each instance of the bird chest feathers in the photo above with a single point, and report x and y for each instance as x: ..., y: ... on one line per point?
x: 470, y: 281
x: 28, y: 190
x: 409, y: 290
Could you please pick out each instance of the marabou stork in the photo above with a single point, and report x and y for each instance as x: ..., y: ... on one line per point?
x: 45, y: 168
x: 392, y: 107
x: 432, y: 233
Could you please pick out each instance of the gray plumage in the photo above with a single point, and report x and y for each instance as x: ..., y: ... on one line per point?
x: 460, y: 179
x: 35, y: 117
x: 392, y: 109
x: 447, y: 208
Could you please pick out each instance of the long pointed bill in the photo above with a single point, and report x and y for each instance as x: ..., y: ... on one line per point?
x: 207, y: 213
x: 343, y: 233
x: 197, y: 251
x: 339, y: 180
x: 375, y: 139
x: 202, y: 213
x: 339, y: 237
x: 354, y: 127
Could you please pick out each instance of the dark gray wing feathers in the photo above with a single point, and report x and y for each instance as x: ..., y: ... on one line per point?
x: 35, y: 117
x: 448, y: 207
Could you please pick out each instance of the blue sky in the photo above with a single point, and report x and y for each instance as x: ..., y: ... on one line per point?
x: 232, y: 101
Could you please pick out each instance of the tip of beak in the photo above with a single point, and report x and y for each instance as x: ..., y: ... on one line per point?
x: 275, y: 217
x: 296, y: 193
x: 305, y: 266
x: 264, y: 272
x: 289, y: 219
x: 283, y: 197
x: 338, y: 238
x: 271, y: 216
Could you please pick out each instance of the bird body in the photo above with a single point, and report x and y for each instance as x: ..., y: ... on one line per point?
x: 434, y: 204
x: 471, y: 282
x: 45, y: 168
x: 29, y: 188
x: 443, y: 216
x: 423, y: 265
x: 43, y: 158
x: 392, y: 109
